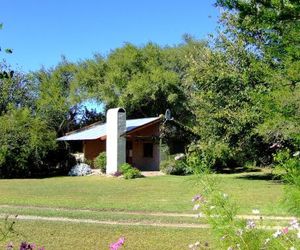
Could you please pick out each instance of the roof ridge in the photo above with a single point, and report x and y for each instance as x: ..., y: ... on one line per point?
x: 102, y: 127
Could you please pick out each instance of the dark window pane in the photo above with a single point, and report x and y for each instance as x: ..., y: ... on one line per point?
x: 148, y: 150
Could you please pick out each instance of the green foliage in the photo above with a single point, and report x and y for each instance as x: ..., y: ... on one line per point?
x: 55, y: 102
x: 281, y: 112
x: 4, y: 73
x: 173, y: 166
x: 7, y: 228
x: 271, y: 30
x: 130, y: 172
x: 288, y: 165
x: 16, y: 91
x: 244, y: 88
x: 144, y: 80
x: 100, y: 162
x: 230, y: 232
x: 25, y: 142
x: 222, y: 84
x: 238, y: 94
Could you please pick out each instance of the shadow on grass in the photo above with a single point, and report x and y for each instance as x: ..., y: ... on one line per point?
x: 261, y: 176
x: 250, y: 174
x: 237, y: 170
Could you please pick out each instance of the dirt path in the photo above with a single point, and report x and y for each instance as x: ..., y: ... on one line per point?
x: 102, y: 222
x: 159, y: 214
x: 90, y: 221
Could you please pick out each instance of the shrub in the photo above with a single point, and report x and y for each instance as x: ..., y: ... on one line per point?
x: 173, y: 167
x: 25, y: 143
x: 231, y: 232
x: 209, y: 154
x: 100, y: 162
x: 288, y: 165
x: 130, y: 172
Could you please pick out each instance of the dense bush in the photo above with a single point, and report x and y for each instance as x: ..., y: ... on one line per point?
x: 100, y: 162
x: 130, y: 172
x: 288, y: 166
x: 230, y: 232
x: 212, y: 155
x: 174, y: 166
x: 25, y: 143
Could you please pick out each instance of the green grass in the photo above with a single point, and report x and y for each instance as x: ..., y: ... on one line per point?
x: 160, y: 194
x: 117, y: 200
x: 66, y: 236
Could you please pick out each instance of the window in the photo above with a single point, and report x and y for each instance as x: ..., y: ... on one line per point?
x: 148, y: 150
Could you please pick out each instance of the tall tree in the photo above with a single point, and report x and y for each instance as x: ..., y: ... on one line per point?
x: 16, y: 90
x: 145, y: 80
x: 272, y: 28
x: 222, y: 82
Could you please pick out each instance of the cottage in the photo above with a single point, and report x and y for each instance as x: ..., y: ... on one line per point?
x: 133, y: 141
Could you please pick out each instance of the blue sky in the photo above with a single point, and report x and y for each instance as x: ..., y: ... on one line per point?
x: 40, y: 31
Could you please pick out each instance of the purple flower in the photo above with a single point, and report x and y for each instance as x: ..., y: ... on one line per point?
x: 239, y: 232
x: 294, y: 224
x: 198, y: 197
x: 196, y: 207
x: 250, y: 224
x: 27, y: 246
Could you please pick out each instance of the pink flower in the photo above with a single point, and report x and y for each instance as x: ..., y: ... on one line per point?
x: 118, y: 244
x: 10, y: 246
x: 285, y: 230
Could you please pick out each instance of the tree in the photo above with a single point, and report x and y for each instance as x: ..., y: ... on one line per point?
x: 25, y: 142
x: 272, y: 27
x: 144, y: 80
x: 5, y: 74
x: 59, y: 98
x: 16, y: 91
x: 222, y: 82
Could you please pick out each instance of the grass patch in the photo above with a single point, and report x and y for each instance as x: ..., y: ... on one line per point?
x: 66, y: 236
x: 118, y: 200
x: 102, y: 215
x: 158, y: 194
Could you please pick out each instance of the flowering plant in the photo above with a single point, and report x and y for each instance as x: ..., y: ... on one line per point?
x: 24, y: 246
x: 232, y: 232
x: 116, y: 245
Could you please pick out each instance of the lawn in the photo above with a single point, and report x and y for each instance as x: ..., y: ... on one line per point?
x: 66, y: 236
x: 159, y: 194
x: 151, y: 200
